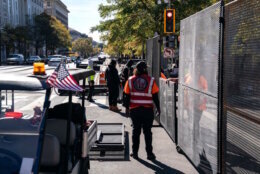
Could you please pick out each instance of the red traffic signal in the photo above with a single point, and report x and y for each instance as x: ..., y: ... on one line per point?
x: 169, y: 21
x: 169, y: 14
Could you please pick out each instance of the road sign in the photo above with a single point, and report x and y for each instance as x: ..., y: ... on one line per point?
x: 168, y: 53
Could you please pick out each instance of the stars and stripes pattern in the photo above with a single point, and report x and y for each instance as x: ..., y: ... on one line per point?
x: 61, y: 79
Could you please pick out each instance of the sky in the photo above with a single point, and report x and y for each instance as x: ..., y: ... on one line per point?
x: 84, y: 15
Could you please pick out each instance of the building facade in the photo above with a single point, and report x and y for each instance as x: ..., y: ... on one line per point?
x: 57, y: 9
x: 28, y: 9
x: 3, y: 13
x: 18, y: 13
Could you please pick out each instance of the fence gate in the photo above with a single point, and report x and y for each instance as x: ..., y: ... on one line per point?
x: 241, y: 135
x: 198, y: 88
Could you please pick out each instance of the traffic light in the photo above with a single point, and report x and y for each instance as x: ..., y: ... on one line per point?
x: 169, y: 21
x: 169, y: 41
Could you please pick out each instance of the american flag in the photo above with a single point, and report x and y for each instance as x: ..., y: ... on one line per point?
x: 61, y: 79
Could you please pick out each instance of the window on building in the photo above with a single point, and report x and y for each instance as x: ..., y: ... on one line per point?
x: 48, y: 3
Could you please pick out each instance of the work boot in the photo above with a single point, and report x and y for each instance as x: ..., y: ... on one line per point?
x: 116, y: 109
x: 112, y: 108
x: 134, y: 155
x: 151, y: 156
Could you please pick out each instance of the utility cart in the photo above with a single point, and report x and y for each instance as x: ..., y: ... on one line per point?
x: 38, y: 139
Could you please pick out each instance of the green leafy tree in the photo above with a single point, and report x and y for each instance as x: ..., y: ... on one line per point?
x: 128, y: 24
x: 53, y: 32
x: 21, y: 38
x: 83, y: 46
x: 8, y: 39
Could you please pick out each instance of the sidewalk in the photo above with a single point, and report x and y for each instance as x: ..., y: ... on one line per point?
x: 168, y: 160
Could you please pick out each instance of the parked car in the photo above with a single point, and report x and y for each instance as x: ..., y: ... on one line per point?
x: 77, y: 61
x: 33, y: 59
x: 54, y: 56
x: 15, y: 59
x: 44, y: 59
x: 54, y: 61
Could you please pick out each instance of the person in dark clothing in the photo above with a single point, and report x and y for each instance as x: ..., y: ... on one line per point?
x: 113, y: 83
x: 141, y: 92
x: 127, y: 72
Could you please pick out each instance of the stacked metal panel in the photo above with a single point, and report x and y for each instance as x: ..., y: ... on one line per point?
x: 167, y: 104
x: 198, y: 88
x: 242, y: 87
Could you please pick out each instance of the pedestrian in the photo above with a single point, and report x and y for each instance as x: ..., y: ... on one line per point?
x: 113, y: 83
x: 78, y: 61
x: 141, y: 91
x: 126, y: 73
x: 91, y: 82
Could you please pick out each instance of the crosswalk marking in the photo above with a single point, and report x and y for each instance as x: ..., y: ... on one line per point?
x: 38, y: 102
x: 27, y: 117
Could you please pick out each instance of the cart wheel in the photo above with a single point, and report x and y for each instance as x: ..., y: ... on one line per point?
x: 179, y: 150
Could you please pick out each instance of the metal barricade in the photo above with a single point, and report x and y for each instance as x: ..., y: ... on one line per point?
x: 197, y: 128
x: 168, y: 107
x: 241, y: 79
x: 153, y: 53
x: 198, y: 88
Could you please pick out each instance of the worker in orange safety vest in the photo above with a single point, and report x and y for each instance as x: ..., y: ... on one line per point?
x: 141, y: 92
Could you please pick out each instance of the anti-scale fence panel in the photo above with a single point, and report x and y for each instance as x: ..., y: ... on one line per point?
x: 242, y: 87
x: 168, y: 107
x: 197, y: 128
x: 199, y: 50
x: 198, y: 88
x: 153, y: 53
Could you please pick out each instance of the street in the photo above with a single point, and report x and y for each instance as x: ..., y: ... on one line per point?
x: 188, y: 69
x: 168, y: 159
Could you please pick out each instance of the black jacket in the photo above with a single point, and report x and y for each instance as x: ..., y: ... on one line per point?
x: 112, y: 77
x: 127, y: 72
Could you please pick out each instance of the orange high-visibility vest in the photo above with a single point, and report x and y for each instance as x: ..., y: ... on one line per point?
x: 141, y: 91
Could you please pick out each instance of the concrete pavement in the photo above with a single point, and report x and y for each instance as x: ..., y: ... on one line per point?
x: 168, y: 160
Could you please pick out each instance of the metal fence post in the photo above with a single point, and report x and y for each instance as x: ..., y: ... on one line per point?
x: 0, y: 46
x: 220, y: 91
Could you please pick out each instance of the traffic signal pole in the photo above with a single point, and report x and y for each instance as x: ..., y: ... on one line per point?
x: 0, y: 46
